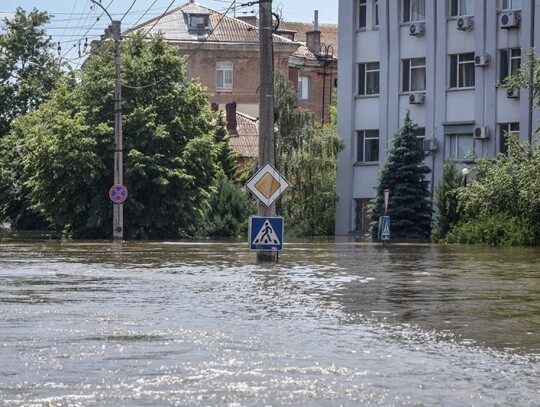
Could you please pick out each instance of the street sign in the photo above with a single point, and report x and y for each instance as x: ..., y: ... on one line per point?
x: 265, y: 233
x: 267, y: 185
x: 385, y: 229
x: 118, y: 193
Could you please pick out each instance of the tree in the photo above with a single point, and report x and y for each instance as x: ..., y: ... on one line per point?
x: 306, y: 155
x: 404, y: 174
x: 28, y: 69
x: 66, y: 146
x: 446, y: 201
x: 28, y: 74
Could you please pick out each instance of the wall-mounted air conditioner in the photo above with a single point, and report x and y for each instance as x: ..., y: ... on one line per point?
x: 417, y: 98
x: 465, y: 23
x: 481, y: 132
x: 512, y: 93
x: 481, y: 60
x: 417, y: 29
x: 430, y: 144
x: 510, y: 19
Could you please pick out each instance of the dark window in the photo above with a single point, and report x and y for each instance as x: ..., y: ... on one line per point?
x: 368, y: 146
x: 414, y: 10
x: 414, y: 75
x: 368, y: 78
x: 462, y: 70
x: 510, y: 62
x: 461, y: 8
x: 460, y: 146
x: 362, y: 13
x: 507, y: 132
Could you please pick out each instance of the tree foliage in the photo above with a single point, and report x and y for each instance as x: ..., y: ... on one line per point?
x: 66, y: 147
x: 446, y: 201
x: 505, y: 193
x: 28, y: 68
x: 306, y: 155
x: 403, y: 174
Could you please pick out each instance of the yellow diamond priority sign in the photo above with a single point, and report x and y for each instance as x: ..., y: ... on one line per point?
x: 267, y: 185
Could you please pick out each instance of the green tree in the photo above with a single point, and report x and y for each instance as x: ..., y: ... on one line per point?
x: 67, y: 146
x: 28, y: 74
x: 404, y: 175
x: 446, y: 201
x: 28, y: 69
x: 306, y: 155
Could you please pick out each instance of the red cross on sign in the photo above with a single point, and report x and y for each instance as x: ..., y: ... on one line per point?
x: 118, y: 193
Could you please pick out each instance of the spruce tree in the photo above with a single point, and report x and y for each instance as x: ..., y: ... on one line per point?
x: 404, y: 175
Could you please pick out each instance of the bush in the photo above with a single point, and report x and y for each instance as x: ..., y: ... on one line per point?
x: 496, y: 230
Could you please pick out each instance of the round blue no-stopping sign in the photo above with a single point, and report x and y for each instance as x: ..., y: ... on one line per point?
x: 118, y: 193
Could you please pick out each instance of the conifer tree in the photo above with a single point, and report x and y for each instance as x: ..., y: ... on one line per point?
x: 404, y: 175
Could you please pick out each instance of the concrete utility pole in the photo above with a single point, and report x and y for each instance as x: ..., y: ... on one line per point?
x: 118, y: 208
x: 266, y: 106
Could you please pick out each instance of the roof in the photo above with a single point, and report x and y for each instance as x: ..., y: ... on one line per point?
x: 246, y: 142
x: 222, y: 28
x: 329, y: 33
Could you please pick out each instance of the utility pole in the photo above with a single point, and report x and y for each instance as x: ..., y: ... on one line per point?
x: 266, y: 106
x: 118, y: 208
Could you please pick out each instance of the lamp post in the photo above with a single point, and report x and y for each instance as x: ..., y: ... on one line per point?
x: 118, y: 208
x: 464, y: 172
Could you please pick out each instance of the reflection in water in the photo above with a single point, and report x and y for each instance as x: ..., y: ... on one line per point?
x: 203, y: 324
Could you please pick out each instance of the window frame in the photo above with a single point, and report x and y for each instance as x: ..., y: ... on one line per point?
x: 407, y: 74
x: 302, y: 89
x: 506, y: 131
x: 363, y: 139
x: 221, y: 70
x: 457, y: 67
x: 194, y: 19
x: 407, y: 15
x: 376, y: 13
x: 456, y: 6
x: 361, y: 21
x: 454, y: 138
x: 364, y: 73
x: 510, y: 5
x: 507, y: 57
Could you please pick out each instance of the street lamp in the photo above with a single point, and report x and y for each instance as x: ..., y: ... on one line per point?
x: 464, y: 172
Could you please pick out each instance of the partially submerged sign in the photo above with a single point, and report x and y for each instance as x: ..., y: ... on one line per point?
x: 266, y: 233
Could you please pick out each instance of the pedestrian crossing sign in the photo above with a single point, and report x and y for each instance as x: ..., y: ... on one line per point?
x: 385, y: 232
x: 266, y: 233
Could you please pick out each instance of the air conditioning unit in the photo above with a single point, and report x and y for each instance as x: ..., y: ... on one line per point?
x: 465, y: 23
x: 417, y: 98
x: 417, y: 29
x: 481, y: 60
x: 510, y: 19
x: 512, y: 93
x: 481, y: 132
x: 430, y: 144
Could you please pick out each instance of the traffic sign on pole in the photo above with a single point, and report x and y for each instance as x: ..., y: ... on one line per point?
x: 267, y: 185
x: 266, y: 233
x: 118, y: 193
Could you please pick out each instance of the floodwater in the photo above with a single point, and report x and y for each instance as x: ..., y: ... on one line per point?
x: 333, y: 323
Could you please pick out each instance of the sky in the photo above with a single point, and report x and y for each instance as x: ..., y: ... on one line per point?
x: 75, y: 22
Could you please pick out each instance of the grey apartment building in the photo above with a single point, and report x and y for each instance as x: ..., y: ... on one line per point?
x: 441, y: 60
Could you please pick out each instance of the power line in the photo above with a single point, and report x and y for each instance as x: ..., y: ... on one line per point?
x: 128, y: 10
x: 157, y: 21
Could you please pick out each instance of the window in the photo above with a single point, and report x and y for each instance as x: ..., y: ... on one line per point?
x: 507, y: 132
x: 376, y: 13
x: 460, y: 146
x: 414, y: 75
x: 224, y: 79
x: 510, y: 62
x: 362, y: 13
x: 368, y: 146
x: 421, y: 136
x: 414, y: 10
x: 462, y: 70
x: 303, y: 88
x: 511, y: 4
x: 362, y: 220
x: 461, y: 8
x: 368, y: 78
x: 196, y: 19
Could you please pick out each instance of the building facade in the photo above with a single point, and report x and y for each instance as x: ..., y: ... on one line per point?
x: 441, y: 60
